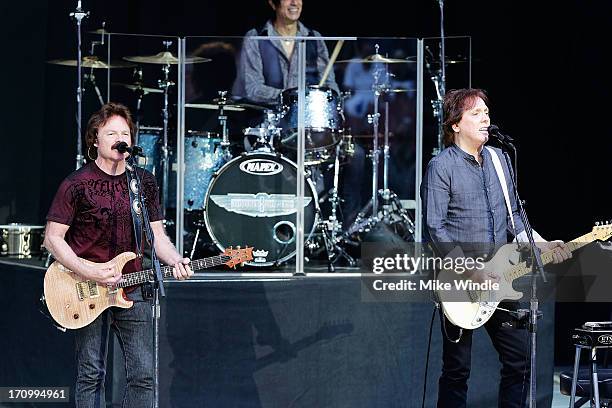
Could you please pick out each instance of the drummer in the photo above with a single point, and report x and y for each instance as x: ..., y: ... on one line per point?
x: 266, y: 68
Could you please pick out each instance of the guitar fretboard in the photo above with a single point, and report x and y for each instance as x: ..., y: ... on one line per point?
x: 521, y: 269
x: 136, y: 278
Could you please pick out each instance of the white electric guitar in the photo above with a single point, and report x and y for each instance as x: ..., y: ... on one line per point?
x: 471, y: 309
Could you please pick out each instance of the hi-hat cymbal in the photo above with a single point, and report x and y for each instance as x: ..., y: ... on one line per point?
x: 164, y: 57
x: 240, y: 104
x: 138, y: 87
x: 92, y: 62
x: 377, y: 58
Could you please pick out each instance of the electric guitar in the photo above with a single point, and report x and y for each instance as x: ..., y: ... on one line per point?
x: 74, y: 303
x: 471, y: 309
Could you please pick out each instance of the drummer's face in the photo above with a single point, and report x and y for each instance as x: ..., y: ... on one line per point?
x: 288, y: 10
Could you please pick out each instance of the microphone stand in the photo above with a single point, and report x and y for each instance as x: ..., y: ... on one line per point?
x: 158, y: 278
x: 536, y: 265
x: 79, y: 15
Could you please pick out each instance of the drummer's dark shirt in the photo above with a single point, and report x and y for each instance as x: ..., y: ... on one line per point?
x: 96, y: 206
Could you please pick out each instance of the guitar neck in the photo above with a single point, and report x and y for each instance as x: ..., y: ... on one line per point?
x: 136, y: 278
x: 547, y: 257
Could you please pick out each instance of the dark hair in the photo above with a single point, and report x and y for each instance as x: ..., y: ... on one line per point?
x: 276, y: 2
x: 99, y: 119
x: 456, y: 102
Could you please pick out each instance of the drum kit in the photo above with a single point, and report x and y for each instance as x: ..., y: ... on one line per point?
x: 250, y: 196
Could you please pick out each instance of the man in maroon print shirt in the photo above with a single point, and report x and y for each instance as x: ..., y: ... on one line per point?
x: 91, y: 218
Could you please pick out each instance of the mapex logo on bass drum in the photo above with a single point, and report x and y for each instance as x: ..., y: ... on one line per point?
x: 605, y: 339
x: 261, y: 167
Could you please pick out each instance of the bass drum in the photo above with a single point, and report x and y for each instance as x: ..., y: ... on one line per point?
x: 251, y: 201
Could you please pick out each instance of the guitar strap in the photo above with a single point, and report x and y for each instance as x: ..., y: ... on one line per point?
x: 502, y: 179
x: 135, y: 207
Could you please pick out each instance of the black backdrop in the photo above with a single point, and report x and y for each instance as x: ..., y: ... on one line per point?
x: 541, y: 62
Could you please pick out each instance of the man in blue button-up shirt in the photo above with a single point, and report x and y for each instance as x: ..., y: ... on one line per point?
x: 464, y: 206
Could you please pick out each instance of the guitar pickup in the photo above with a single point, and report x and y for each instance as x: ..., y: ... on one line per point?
x: 80, y: 288
x: 87, y: 289
x: 93, y: 289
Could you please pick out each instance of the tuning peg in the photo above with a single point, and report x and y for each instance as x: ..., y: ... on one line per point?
x: 596, y: 223
x: 238, y: 247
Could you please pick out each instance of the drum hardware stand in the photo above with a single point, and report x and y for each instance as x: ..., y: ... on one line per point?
x: 165, y: 85
x: 225, y: 144
x: 78, y: 16
x: 266, y: 132
x: 391, y: 204
x: 331, y: 228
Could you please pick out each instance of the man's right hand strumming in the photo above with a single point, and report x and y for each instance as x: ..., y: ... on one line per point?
x: 101, y: 274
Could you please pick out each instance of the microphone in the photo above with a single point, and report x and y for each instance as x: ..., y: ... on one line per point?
x: 494, y: 132
x: 123, y: 147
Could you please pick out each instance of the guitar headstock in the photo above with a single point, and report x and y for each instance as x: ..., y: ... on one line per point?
x: 602, y: 231
x: 238, y: 255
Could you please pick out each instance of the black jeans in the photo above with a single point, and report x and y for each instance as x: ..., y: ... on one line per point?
x: 511, y: 344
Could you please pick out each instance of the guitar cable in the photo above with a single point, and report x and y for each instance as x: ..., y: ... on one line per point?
x: 433, y: 316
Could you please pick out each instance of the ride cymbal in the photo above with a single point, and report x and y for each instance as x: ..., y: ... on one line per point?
x: 378, y: 59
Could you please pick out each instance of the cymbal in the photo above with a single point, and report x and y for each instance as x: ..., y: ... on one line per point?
x: 213, y: 106
x: 371, y: 136
x: 138, y: 87
x: 377, y: 58
x: 92, y: 62
x: 241, y: 104
x: 383, y: 90
x: 99, y: 31
x: 164, y: 57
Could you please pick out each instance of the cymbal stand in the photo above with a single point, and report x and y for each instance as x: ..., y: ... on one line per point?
x: 439, y: 79
x: 392, y: 209
x: 92, y: 76
x: 137, y: 76
x: 225, y: 143
x: 165, y: 85
x: 78, y: 16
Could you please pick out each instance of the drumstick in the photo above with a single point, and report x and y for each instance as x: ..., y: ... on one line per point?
x: 332, y: 59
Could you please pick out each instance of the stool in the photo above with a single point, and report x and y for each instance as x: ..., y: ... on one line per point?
x: 589, y: 384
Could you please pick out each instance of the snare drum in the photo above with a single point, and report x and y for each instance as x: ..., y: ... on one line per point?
x: 21, y: 240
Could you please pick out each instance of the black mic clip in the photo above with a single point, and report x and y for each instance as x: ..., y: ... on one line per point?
x: 504, y: 139
x: 123, y: 147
